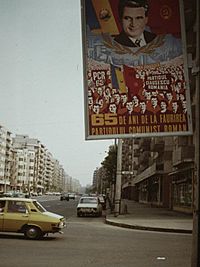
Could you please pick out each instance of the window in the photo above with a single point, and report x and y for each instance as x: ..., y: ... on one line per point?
x: 39, y: 206
x: 2, y: 205
x: 17, y: 207
x: 88, y: 200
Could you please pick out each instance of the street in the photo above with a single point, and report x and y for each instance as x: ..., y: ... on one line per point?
x: 88, y: 241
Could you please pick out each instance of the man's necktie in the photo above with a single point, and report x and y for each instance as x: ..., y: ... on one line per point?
x: 137, y: 42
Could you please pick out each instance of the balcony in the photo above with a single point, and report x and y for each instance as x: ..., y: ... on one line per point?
x: 183, y: 154
x: 126, y: 153
x: 157, y: 145
x: 136, y: 141
x: 135, y: 166
x: 148, y: 172
x: 144, y: 157
x: 144, y: 143
x: 136, y: 153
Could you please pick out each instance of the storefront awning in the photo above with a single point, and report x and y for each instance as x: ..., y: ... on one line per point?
x: 181, y: 170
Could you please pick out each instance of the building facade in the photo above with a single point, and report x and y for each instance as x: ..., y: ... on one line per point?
x: 161, y: 170
x: 27, y: 166
x: 5, y: 158
x: 165, y: 171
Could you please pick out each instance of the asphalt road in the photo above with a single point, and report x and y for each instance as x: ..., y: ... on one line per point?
x: 90, y: 242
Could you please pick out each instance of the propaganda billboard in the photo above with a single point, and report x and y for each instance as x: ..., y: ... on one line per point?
x: 135, y: 69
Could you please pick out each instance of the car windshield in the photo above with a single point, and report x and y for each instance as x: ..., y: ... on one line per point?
x: 39, y: 206
x: 88, y: 200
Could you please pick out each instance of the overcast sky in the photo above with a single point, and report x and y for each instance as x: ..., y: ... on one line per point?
x: 41, y: 81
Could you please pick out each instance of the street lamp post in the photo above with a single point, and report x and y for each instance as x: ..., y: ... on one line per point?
x: 5, y: 185
x: 118, y: 178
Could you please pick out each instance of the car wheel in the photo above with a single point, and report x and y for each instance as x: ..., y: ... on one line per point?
x: 33, y: 232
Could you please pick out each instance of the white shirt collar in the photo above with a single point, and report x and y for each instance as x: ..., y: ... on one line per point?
x: 141, y: 38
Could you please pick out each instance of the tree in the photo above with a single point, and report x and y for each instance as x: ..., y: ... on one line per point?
x: 110, y: 164
x: 88, y: 189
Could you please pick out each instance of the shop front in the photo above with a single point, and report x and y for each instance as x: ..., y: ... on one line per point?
x: 182, y: 196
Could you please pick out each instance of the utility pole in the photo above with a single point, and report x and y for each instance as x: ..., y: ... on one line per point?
x: 196, y: 212
x: 118, y: 179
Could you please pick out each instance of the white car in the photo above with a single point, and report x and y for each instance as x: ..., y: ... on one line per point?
x: 89, y: 206
x: 72, y: 195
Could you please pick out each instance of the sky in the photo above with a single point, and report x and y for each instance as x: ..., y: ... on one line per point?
x: 41, y: 81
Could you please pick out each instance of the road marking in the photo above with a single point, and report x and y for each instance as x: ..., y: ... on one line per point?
x: 161, y: 258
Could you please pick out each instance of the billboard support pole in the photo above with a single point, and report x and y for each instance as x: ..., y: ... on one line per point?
x: 196, y: 212
x: 118, y: 179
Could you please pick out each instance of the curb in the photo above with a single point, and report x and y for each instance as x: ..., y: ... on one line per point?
x: 148, y: 228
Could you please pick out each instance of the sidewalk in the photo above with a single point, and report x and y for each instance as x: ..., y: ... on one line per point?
x: 143, y: 217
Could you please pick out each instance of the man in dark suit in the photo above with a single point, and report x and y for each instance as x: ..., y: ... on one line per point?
x: 133, y: 16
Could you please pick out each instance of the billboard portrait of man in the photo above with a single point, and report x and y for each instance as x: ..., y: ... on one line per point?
x: 133, y: 17
x: 134, y: 49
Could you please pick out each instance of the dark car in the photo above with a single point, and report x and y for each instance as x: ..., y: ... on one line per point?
x: 64, y: 196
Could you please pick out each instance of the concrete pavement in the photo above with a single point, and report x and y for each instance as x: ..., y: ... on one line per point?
x: 144, y: 217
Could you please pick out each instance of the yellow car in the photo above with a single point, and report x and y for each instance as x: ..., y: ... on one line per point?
x: 22, y: 215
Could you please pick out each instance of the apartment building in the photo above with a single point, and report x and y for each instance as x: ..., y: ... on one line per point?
x: 57, y: 181
x: 164, y: 175
x: 48, y: 170
x: 35, y: 168
x: 183, y: 177
x: 5, y: 158
x: 76, y: 186
x: 25, y: 152
x: 63, y: 179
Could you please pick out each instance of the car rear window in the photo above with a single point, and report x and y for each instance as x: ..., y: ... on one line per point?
x: 88, y: 200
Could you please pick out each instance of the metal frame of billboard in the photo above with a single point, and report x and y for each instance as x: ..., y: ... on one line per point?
x: 102, y: 71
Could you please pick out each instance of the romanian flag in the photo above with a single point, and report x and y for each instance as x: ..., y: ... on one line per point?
x: 114, y: 77
x: 118, y: 80
x: 114, y: 6
x: 100, y: 17
x: 92, y: 20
